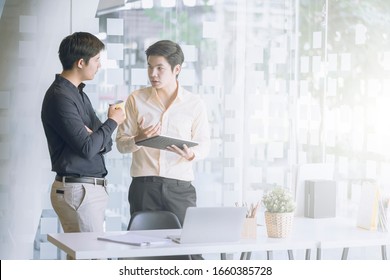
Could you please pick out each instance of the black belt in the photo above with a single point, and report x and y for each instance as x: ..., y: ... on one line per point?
x: 157, y: 179
x: 86, y: 180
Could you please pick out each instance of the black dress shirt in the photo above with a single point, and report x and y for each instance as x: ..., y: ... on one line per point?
x: 66, y: 111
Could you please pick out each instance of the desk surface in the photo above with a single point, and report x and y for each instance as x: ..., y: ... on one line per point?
x: 85, y: 245
x: 342, y: 233
x: 307, y: 234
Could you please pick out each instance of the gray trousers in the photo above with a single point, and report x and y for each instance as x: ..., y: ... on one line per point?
x: 158, y: 193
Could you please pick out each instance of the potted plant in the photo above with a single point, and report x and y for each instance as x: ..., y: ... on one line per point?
x: 280, y: 205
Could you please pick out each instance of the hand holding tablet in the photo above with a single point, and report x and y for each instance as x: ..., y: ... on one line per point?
x: 162, y: 142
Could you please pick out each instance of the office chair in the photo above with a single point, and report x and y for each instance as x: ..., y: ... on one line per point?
x: 150, y: 220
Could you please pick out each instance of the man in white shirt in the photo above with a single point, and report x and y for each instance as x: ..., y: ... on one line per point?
x: 162, y: 178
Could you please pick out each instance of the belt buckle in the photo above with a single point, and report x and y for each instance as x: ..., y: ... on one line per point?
x: 104, y: 181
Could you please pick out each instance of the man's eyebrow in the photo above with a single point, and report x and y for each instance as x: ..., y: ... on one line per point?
x: 160, y: 64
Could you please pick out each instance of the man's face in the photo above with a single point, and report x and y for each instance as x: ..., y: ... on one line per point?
x: 90, y: 69
x: 160, y: 72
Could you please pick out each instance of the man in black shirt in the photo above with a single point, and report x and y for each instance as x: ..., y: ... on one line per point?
x: 76, y: 138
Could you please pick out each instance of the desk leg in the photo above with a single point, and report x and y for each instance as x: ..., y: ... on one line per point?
x: 245, y: 255
x: 384, y: 254
x: 318, y: 253
x: 308, y: 253
x: 227, y: 256
x: 269, y: 255
x: 290, y: 254
x: 344, y: 256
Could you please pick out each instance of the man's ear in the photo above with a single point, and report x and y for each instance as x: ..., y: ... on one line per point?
x: 177, y: 69
x: 80, y: 63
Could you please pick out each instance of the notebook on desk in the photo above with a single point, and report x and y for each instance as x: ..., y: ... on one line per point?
x: 135, y: 239
x: 211, y: 224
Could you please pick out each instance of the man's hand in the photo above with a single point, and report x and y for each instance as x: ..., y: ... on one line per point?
x: 116, y: 114
x: 90, y: 132
x: 186, y: 152
x: 88, y: 129
x: 147, y: 132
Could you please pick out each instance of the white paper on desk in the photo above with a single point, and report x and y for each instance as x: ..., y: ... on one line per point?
x: 134, y: 239
x: 368, y: 206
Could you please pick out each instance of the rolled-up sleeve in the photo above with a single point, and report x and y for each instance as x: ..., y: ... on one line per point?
x: 128, y: 129
x: 201, y: 132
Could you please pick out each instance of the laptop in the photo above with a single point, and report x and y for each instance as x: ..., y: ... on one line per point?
x: 211, y: 224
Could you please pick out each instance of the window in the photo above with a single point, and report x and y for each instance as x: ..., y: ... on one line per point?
x: 286, y: 83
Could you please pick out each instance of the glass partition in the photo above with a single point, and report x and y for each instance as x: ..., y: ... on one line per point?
x: 295, y: 89
x: 288, y: 84
x: 240, y: 58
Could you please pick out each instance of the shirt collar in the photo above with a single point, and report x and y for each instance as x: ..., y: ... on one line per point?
x: 81, y: 87
x: 153, y: 93
x: 69, y: 84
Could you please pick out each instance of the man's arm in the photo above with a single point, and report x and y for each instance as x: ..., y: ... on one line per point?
x: 68, y: 123
x: 200, y: 133
x: 128, y: 130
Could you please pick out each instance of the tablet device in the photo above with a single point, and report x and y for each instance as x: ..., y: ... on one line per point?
x: 162, y: 142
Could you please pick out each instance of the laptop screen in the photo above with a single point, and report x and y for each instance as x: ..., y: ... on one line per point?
x: 213, y: 224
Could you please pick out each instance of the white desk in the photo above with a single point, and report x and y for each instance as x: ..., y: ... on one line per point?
x: 84, y: 245
x: 342, y: 233
x: 307, y: 234
x: 326, y: 233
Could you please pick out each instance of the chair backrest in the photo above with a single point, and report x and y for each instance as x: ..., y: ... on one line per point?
x: 148, y: 220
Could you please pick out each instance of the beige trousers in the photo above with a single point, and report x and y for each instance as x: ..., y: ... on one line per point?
x: 80, y: 207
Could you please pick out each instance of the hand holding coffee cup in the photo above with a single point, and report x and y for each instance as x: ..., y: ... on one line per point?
x: 116, y: 111
x: 119, y: 104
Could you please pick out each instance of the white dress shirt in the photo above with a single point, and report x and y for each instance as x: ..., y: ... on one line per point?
x: 185, y: 118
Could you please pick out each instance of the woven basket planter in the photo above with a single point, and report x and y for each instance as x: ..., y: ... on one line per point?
x: 278, y: 225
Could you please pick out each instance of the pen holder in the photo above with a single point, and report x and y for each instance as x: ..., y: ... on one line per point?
x: 249, y: 229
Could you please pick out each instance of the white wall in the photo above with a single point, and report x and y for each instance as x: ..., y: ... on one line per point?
x: 30, y: 33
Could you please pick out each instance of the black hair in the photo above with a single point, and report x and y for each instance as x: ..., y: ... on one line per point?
x: 79, y: 45
x: 169, y: 50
